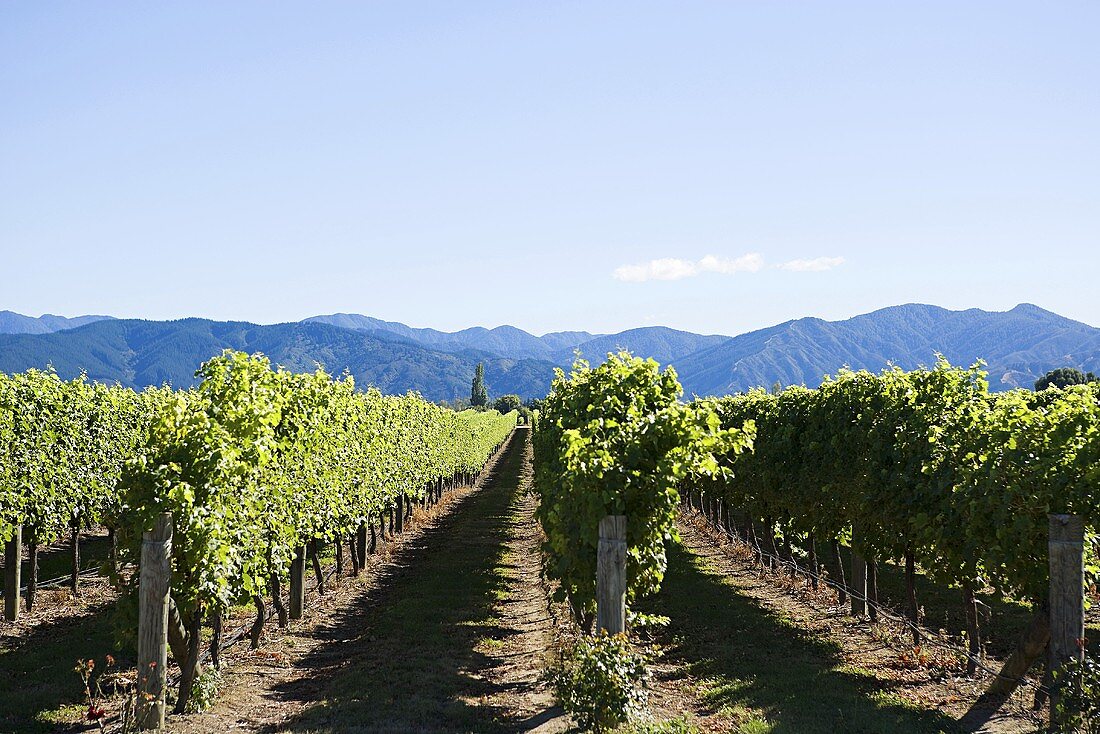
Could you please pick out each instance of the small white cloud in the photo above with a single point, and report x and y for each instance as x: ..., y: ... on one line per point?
x: 816, y: 265
x: 666, y: 268
x: 749, y: 263
x: 674, y: 268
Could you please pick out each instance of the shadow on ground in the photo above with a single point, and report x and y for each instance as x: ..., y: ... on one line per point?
x: 37, y: 672
x: 763, y: 671
x: 402, y: 657
x: 55, y: 560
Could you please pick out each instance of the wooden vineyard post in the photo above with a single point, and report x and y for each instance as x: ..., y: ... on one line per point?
x: 361, y: 542
x: 298, y: 582
x: 1067, y: 598
x: 859, y: 581
x: 13, y: 560
x: 611, y: 575
x: 74, y: 550
x: 155, y: 583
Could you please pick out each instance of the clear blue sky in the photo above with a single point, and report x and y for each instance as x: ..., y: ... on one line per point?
x: 714, y: 166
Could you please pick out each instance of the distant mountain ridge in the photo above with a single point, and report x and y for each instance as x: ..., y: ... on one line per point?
x: 661, y: 343
x: 142, y: 353
x: 500, y: 340
x: 1017, y: 345
x: 17, y: 323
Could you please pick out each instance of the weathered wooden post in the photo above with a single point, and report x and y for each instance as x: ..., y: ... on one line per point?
x: 1067, y: 597
x: 973, y: 630
x: 74, y: 556
x: 859, y: 581
x: 872, y: 589
x: 361, y: 542
x: 155, y: 582
x: 298, y: 582
x: 611, y: 575
x: 13, y: 561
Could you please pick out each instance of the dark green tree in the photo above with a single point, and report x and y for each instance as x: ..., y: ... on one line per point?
x: 1063, y: 377
x: 507, y: 403
x: 479, y: 395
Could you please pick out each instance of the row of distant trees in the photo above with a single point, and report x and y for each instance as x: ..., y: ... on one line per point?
x: 1064, y: 377
x: 1061, y: 377
x: 479, y: 393
x: 479, y: 398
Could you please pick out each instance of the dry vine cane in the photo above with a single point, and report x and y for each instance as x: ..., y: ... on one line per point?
x: 110, y: 683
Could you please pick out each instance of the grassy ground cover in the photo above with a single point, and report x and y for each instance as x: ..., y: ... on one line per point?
x: 39, y: 688
x: 763, y: 672
x: 413, y: 666
x: 56, y: 560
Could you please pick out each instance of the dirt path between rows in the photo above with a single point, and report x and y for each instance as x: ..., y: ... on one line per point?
x: 248, y: 699
x: 884, y: 651
x: 446, y: 630
x: 518, y: 654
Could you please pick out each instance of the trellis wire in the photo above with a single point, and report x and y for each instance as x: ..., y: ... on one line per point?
x: 885, y: 612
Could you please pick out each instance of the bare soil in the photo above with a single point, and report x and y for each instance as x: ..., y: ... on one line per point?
x: 933, y: 678
x: 54, y: 603
x: 379, y: 653
x: 450, y: 627
x: 519, y: 653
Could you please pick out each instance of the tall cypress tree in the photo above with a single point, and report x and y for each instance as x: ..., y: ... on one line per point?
x: 479, y: 396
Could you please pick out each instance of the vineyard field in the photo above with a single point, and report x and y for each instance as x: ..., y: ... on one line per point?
x: 427, y: 542
x: 925, y: 469
x: 559, y: 368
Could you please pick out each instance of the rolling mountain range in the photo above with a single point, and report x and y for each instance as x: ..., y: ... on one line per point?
x: 1017, y: 345
x: 17, y: 323
x: 141, y: 353
x: 502, y: 340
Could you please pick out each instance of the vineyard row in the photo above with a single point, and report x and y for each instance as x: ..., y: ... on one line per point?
x: 926, y: 467
x: 254, y: 464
